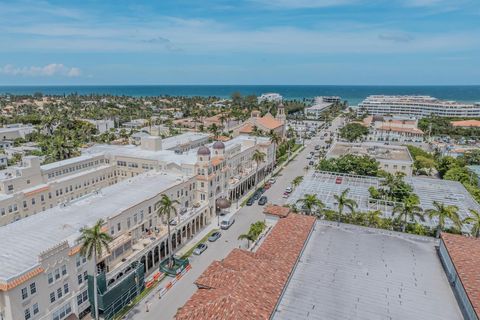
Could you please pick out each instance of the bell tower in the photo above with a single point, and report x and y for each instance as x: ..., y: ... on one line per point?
x: 281, y: 113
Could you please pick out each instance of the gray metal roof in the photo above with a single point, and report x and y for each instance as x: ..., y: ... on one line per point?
x: 350, y: 272
x: 324, y: 185
x: 23, y: 241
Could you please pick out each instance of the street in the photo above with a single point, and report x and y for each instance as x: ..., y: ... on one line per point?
x: 166, y: 307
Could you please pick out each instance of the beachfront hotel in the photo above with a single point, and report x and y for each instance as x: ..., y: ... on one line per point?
x: 42, y: 274
x: 417, y: 106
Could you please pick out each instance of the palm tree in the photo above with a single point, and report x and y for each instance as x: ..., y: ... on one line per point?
x: 258, y: 156
x: 343, y: 202
x: 93, y: 241
x: 409, y: 209
x: 165, y: 207
x: 247, y: 236
x: 214, y: 129
x: 311, y: 202
x: 444, y: 212
x: 297, y: 181
x: 275, y: 139
x: 475, y: 220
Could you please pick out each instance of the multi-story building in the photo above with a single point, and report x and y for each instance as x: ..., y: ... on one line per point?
x: 102, y: 125
x: 43, y: 275
x: 417, y: 106
x: 270, y: 97
x: 30, y: 188
x: 320, y: 104
x: 384, y: 128
x: 391, y: 158
x: 15, y: 131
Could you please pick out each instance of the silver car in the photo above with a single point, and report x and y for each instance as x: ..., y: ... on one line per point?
x: 200, y: 248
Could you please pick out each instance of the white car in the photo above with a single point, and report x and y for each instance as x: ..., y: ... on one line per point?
x: 272, y: 180
x: 289, y: 189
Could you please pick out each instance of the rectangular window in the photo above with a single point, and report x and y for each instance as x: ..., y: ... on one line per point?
x: 33, y: 288
x: 119, y: 226
x: 59, y: 293
x: 24, y: 293
x: 27, y: 314
x: 64, y: 270
x: 52, y: 297
x: 57, y: 274
x: 80, y: 279
x: 35, y: 308
x: 85, y: 275
x: 50, y: 278
x: 65, y: 288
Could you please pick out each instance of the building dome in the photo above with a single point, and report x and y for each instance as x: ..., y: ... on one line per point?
x: 203, y: 151
x: 218, y: 145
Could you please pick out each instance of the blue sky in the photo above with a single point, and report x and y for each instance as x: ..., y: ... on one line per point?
x: 240, y: 42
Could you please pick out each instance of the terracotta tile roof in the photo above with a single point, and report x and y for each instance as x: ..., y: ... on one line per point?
x: 269, y: 122
x: 387, y: 127
x: 275, y: 210
x: 223, y: 138
x: 246, y: 128
x: 466, y: 123
x: 247, y: 285
x: 216, y: 161
x: 23, y: 278
x: 465, y: 255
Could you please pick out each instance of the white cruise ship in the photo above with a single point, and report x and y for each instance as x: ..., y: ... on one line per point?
x: 418, y: 106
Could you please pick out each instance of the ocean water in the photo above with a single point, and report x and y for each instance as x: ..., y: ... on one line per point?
x: 353, y: 94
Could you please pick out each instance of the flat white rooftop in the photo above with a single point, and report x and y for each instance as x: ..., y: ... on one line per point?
x: 66, y: 162
x: 351, y: 272
x: 132, y: 151
x: 23, y: 241
x: 184, y: 138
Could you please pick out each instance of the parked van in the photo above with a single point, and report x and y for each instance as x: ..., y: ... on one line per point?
x: 226, y: 223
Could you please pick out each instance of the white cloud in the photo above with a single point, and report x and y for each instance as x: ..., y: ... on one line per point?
x: 49, y: 70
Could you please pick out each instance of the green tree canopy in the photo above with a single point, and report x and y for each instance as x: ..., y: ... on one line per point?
x: 353, y: 131
x: 351, y: 164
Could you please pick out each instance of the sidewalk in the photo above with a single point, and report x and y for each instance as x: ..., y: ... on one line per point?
x: 212, y: 226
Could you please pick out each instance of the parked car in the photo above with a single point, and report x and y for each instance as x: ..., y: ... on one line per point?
x: 311, y: 163
x: 226, y: 223
x: 267, y: 186
x: 289, y: 189
x: 200, y: 248
x: 250, y: 201
x: 256, y: 196
x: 272, y: 180
x: 214, y: 236
x: 286, y: 194
x: 339, y: 180
x: 263, y: 200
x: 317, y: 147
x: 309, y: 156
x: 173, y: 222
